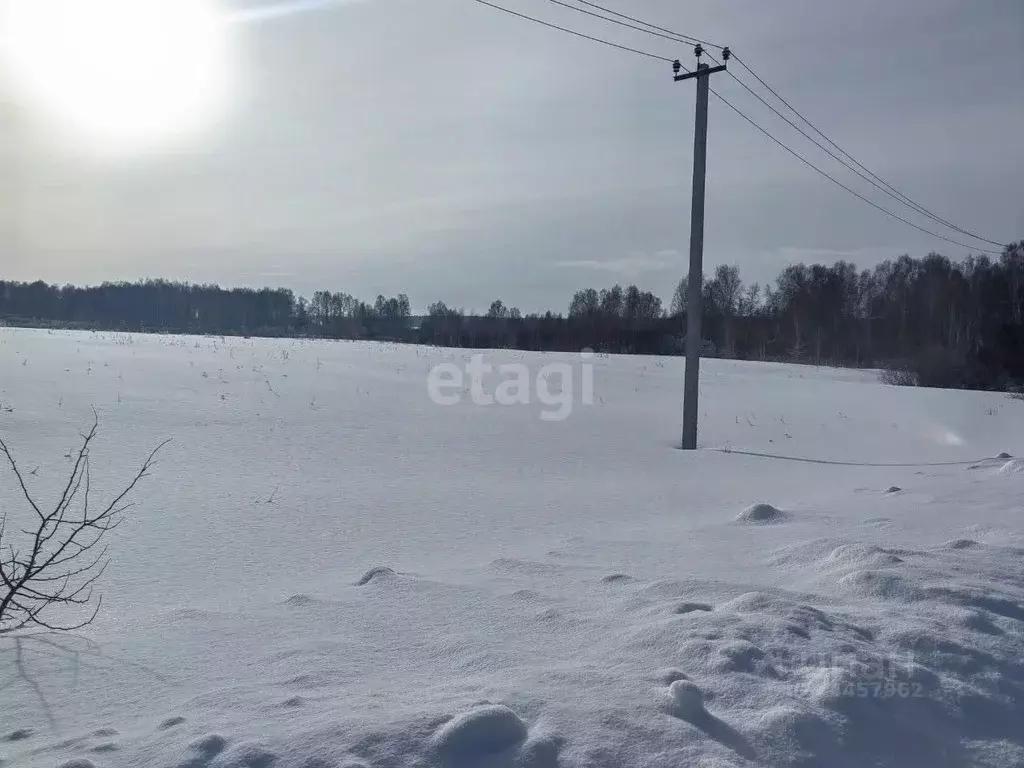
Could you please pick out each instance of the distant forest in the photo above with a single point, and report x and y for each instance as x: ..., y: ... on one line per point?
x: 930, y: 321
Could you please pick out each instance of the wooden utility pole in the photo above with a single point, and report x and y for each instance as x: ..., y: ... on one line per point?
x: 694, y: 309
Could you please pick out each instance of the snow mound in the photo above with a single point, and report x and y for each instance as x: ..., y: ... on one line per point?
x: 375, y: 574
x: 809, y: 733
x: 246, y: 755
x: 893, y: 489
x: 549, y: 615
x: 201, y: 752
x: 19, y: 735
x: 688, y: 607
x: 526, y: 595
x: 1012, y: 467
x: 880, y: 585
x: 808, y: 619
x: 859, y: 556
x: 171, y: 722
x: 483, y: 731
x: 669, y: 676
x: 961, y: 544
x: 755, y: 602
x: 761, y: 514
x: 686, y: 700
x: 616, y: 578
x: 300, y: 601
x: 828, y: 686
x: 740, y: 656
x: 541, y: 751
x: 976, y: 619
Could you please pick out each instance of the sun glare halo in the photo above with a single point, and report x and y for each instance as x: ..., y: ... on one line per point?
x: 123, y: 74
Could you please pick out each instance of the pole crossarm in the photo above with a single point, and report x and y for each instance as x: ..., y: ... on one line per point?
x: 699, y: 72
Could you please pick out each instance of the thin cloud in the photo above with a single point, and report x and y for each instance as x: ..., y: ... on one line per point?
x: 284, y: 10
x: 630, y: 266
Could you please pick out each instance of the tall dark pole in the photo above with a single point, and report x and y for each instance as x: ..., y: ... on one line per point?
x: 691, y: 383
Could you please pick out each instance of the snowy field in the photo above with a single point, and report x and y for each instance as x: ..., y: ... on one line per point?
x: 548, y: 593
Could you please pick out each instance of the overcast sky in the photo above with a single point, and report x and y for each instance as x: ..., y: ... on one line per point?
x: 446, y: 150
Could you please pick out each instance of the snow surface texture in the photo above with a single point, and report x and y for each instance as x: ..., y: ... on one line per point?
x: 327, y: 570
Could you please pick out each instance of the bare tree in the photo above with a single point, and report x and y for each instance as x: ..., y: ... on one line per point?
x: 63, y: 557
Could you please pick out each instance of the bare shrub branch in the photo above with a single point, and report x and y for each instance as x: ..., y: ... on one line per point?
x: 63, y: 559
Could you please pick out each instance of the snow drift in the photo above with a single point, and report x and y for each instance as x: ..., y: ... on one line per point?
x: 327, y: 570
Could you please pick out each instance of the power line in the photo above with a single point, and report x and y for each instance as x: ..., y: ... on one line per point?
x: 750, y: 120
x: 861, y: 170
x: 850, y: 189
x: 671, y: 36
x: 869, y: 177
x: 836, y: 181
x: 805, y: 460
x: 889, y: 189
x: 676, y: 35
x: 574, y: 32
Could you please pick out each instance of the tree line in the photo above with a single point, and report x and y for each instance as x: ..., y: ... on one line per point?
x: 935, y: 321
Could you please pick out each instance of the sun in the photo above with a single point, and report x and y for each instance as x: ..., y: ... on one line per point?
x: 120, y: 73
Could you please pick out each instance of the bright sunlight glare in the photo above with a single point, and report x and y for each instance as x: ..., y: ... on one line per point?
x: 121, y: 73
